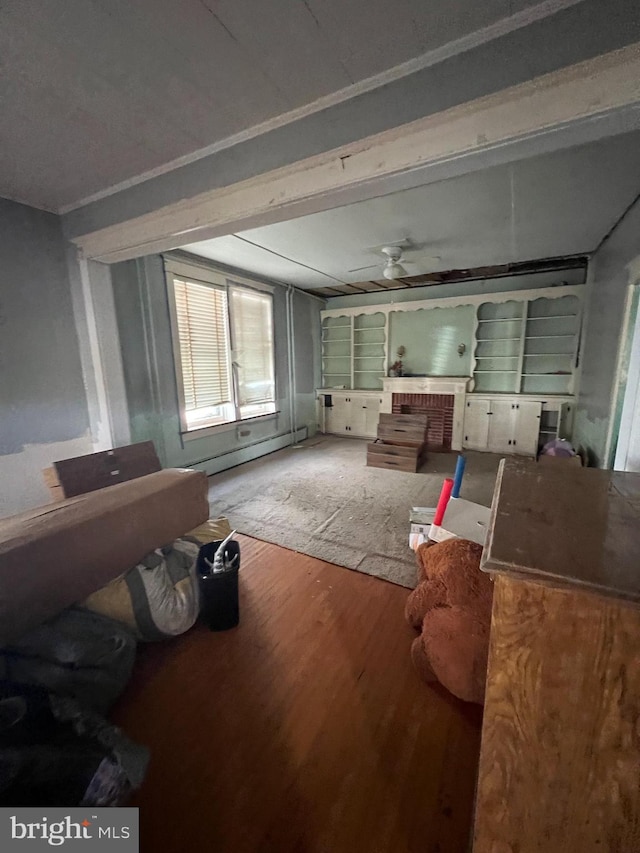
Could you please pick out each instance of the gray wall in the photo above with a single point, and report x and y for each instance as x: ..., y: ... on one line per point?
x: 609, y: 279
x: 43, y: 409
x: 147, y: 356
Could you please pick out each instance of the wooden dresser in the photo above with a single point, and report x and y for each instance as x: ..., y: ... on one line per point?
x: 560, y: 757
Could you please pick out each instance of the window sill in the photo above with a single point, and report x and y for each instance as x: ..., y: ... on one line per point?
x: 205, y: 432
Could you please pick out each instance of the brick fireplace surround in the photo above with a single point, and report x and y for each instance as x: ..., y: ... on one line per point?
x: 439, y: 411
x: 442, y: 398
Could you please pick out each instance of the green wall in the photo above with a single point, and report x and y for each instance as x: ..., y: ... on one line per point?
x: 431, y: 338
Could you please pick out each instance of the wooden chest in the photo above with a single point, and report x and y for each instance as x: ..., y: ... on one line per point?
x: 401, y: 442
x: 407, y: 430
x: 394, y: 456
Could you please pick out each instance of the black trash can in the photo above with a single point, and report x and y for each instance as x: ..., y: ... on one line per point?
x: 219, y: 608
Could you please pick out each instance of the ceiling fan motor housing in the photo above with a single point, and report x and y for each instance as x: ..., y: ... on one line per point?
x: 393, y: 269
x: 393, y: 253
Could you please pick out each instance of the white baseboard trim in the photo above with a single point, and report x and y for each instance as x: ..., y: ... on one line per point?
x: 247, y: 454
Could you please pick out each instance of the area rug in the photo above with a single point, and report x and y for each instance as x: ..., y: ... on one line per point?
x: 321, y: 499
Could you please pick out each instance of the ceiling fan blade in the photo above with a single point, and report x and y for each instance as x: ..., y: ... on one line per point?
x: 421, y: 266
x: 372, y: 267
x: 422, y: 263
x: 421, y: 260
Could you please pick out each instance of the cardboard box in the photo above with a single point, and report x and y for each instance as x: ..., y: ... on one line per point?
x: 420, y: 520
x: 463, y: 520
x: 56, y: 555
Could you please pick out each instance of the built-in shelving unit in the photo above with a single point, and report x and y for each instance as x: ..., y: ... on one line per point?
x: 550, y: 345
x: 498, y: 342
x: 337, y: 348
x: 527, y: 346
x: 354, y: 351
x: 521, y: 342
x: 369, y: 358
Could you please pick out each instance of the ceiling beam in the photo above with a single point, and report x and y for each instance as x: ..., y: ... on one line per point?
x: 573, y: 98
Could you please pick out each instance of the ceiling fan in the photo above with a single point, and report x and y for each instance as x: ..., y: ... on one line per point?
x: 395, y: 263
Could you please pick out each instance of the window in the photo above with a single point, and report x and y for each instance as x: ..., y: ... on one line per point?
x: 223, y: 345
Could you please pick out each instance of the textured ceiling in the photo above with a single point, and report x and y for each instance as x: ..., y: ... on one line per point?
x: 549, y: 206
x: 97, y: 92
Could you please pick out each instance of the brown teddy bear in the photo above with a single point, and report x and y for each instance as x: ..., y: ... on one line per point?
x: 452, y: 607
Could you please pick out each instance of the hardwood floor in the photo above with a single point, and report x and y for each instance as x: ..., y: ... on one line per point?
x: 304, y: 729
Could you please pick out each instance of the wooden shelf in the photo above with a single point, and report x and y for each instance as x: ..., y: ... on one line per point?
x: 552, y: 317
x: 489, y: 357
x: 502, y: 372
x: 545, y: 337
x: 369, y: 328
x: 554, y: 375
x: 503, y: 320
x: 494, y: 340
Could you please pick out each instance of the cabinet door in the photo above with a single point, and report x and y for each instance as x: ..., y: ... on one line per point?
x: 364, y: 415
x: 501, y: 426
x: 526, y: 428
x: 476, y: 424
x: 357, y: 416
x: 338, y: 415
x: 565, y: 421
x: 371, y: 416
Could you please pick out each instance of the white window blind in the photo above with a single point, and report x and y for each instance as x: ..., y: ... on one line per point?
x: 252, y: 338
x: 201, y: 313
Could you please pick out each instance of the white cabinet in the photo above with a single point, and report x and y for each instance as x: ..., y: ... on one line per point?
x: 526, y: 427
x: 350, y: 413
x: 476, y: 424
x: 337, y: 413
x: 502, y: 425
x: 365, y: 411
x: 556, y: 423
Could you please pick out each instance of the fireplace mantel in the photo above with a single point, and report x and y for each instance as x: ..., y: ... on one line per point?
x: 426, y: 384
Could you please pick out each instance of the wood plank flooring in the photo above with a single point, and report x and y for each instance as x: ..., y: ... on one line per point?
x: 304, y: 729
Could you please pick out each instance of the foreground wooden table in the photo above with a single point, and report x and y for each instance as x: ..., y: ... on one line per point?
x: 560, y: 756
